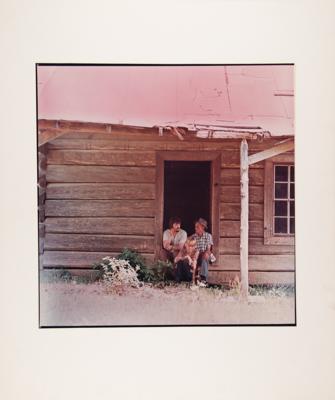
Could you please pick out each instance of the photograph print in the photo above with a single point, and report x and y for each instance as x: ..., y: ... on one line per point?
x: 166, y: 195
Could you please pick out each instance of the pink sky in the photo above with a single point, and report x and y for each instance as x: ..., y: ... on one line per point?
x: 170, y: 95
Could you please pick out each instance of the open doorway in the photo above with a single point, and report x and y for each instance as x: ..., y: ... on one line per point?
x: 187, y: 192
x: 188, y: 185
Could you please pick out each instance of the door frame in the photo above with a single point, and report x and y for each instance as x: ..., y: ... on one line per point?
x: 215, y: 158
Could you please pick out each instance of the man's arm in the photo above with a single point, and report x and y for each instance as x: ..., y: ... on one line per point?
x: 167, y: 245
x: 209, y: 247
x: 167, y: 242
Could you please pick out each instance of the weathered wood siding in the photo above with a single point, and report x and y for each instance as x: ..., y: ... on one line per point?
x: 98, y: 201
x: 267, y: 264
x: 100, y: 197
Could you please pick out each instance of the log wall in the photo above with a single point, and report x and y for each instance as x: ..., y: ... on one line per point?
x: 100, y: 198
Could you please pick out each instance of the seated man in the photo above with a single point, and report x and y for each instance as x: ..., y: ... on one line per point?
x: 174, y: 238
x: 204, y: 242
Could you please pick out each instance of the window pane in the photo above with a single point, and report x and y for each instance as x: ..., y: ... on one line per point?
x: 292, y: 174
x: 292, y: 210
x: 281, y: 191
x: 292, y: 225
x: 291, y: 190
x: 280, y: 208
x: 280, y: 225
x: 281, y: 173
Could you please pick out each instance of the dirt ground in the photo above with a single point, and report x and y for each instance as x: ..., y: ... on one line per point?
x: 69, y: 304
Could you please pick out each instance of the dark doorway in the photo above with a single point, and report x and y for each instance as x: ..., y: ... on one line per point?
x: 187, y: 192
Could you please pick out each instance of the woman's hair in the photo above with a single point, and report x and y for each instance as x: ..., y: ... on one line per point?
x: 191, y: 239
x: 174, y: 220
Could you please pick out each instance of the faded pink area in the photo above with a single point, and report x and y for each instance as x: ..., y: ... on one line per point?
x: 166, y: 95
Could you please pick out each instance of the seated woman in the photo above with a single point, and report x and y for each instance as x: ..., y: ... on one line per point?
x: 186, y: 261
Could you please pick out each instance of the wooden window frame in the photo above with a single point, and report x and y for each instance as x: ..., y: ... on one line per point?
x: 269, y: 236
x: 215, y: 158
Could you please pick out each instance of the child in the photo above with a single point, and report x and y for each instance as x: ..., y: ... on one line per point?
x: 186, y: 261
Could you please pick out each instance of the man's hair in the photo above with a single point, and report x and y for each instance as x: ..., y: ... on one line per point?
x: 174, y: 220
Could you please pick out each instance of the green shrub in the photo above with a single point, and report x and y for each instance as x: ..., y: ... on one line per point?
x: 162, y: 271
x: 137, y: 260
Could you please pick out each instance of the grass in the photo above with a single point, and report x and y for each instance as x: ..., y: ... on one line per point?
x: 64, y: 276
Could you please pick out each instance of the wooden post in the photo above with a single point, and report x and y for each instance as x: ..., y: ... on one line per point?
x: 244, y: 219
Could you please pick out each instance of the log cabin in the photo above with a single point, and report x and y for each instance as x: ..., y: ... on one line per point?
x: 103, y: 187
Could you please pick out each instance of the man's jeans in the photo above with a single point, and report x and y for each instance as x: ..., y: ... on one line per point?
x: 203, y: 264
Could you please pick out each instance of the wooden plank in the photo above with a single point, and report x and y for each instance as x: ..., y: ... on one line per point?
x: 138, y: 145
x: 281, y: 147
x: 232, y: 211
x: 46, y: 123
x: 231, y: 194
x: 105, y: 225
x: 231, y: 176
x: 128, y: 134
x: 75, y: 259
x: 244, y: 233
x: 195, y: 156
x: 231, y: 159
x: 232, y: 229
x: 99, y: 208
x: 101, y: 191
x: 74, y: 173
x: 45, y: 136
x: 279, y: 262
x: 82, y: 126
x: 78, y: 242
x: 102, y: 157
x: 255, y: 278
x: 256, y: 247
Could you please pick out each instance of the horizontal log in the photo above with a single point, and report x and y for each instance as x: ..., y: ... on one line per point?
x: 99, y: 208
x: 74, y: 173
x: 114, y: 243
x: 232, y: 211
x: 102, y: 157
x: 232, y: 194
x: 256, y: 247
x: 115, y: 226
x: 282, y: 262
x: 96, y: 127
x: 41, y: 245
x: 102, y: 191
x: 41, y: 196
x: 42, y: 180
x: 231, y: 176
x: 79, y: 126
x: 231, y: 159
x: 255, y: 278
x: 46, y: 123
x: 128, y: 134
x: 198, y: 144
x: 45, y: 136
x: 232, y: 229
x: 75, y: 259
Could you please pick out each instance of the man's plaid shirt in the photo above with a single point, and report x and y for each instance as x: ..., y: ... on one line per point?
x: 203, y: 241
